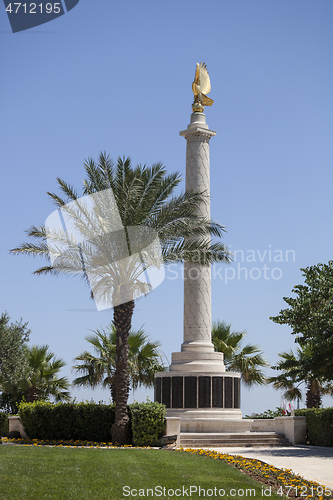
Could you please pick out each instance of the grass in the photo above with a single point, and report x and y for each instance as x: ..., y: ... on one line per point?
x: 30, y: 472
x: 68, y: 470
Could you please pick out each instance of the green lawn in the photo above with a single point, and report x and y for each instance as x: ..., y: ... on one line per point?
x: 76, y: 473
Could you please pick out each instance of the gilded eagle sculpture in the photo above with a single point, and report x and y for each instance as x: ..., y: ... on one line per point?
x: 201, y: 87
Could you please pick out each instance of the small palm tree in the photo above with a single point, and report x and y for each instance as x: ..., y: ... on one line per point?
x: 144, y: 360
x: 292, y: 377
x: 39, y: 381
x: 143, y: 200
x: 245, y: 360
x: 43, y: 380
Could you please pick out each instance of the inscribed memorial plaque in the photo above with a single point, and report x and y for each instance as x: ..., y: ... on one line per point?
x: 204, y: 392
x: 228, y: 392
x: 217, y: 392
x: 190, y: 392
x: 166, y: 391
x: 177, y: 392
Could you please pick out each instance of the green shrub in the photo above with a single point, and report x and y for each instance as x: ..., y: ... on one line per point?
x: 278, y: 412
x: 77, y: 421
x: 319, y: 425
x: 3, y: 424
x: 148, y: 423
x: 90, y: 421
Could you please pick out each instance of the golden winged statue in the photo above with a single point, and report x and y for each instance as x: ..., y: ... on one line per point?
x: 201, y: 87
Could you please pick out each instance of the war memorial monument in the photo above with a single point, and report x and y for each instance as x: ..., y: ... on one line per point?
x: 197, y: 387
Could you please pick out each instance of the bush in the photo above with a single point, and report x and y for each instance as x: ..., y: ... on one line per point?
x: 77, y: 421
x: 319, y: 425
x: 90, y: 421
x: 3, y: 424
x: 148, y: 423
x: 278, y: 412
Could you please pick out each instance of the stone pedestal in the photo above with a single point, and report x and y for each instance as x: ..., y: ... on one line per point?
x: 197, y: 388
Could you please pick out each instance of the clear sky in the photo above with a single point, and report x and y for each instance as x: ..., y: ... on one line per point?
x: 116, y: 76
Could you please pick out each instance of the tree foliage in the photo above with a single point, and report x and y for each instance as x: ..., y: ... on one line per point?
x: 30, y: 373
x: 310, y: 315
x: 144, y: 198
x: 43, y: 379
x: 13, y: 349
x: 247, y: 360
x: 144, y: 359
x: 290, y: 379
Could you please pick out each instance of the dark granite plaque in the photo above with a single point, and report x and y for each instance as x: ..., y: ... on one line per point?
x: 236, y: 393
x: 217, y: 392
x: 204, y: 392
x: 157, y: 392
x: 177, y: 392
x: 190, y: 392
x: 166, y: 386
x: 228, y: 392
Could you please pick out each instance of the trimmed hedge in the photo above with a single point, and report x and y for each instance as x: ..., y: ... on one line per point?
x: 319, y: 425
x: 90, y: 421
x: 3, y: 424
x: 148, y: 423
x: 77, y: 421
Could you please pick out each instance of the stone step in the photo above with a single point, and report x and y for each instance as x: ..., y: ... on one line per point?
x: 199, y: 440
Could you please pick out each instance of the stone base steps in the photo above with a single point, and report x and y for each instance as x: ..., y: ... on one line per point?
x: 200, y: 440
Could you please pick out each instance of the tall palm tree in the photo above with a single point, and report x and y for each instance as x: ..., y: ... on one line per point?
x: 141, y: 198
x: 245, y: 360
x: 144, y: 360
x: 292, y: 377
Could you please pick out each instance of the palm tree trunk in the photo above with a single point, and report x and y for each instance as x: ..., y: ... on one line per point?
x: 31, y: 394
x: 113, y: 392
x: 313, y: 396
x: 122, y: 318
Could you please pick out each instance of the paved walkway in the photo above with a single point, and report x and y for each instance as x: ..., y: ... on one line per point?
x: 310, y: 462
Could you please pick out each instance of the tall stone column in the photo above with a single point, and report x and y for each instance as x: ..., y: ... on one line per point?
x: 197, y: 279
x: 197, y: 387
x: 197, y: 350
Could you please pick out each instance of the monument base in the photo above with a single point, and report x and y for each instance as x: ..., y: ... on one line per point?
x: 205, y: 402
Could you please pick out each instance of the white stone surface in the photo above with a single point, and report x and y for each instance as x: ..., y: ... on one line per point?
x: 197, y: 356
x: 172, y: 428
x: 15, y: 424
x: 294, y: 428
x: 197, y: 351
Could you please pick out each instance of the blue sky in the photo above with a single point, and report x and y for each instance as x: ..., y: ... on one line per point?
x: 117, y: 76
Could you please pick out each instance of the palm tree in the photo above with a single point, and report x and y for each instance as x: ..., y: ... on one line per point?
x: 245, y: 360
x: 140, y: 207
x: 39, y: 382
x: 143, y: 360
x: 292, y: 377
x: 42, y: 380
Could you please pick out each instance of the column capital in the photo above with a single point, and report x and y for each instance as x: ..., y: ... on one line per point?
x: 198, y: 126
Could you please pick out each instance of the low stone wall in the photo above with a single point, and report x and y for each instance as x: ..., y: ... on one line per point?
x: 15, y: 425
x: 173, y: 428
x: 294, y: 428
x: 263, y: 425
